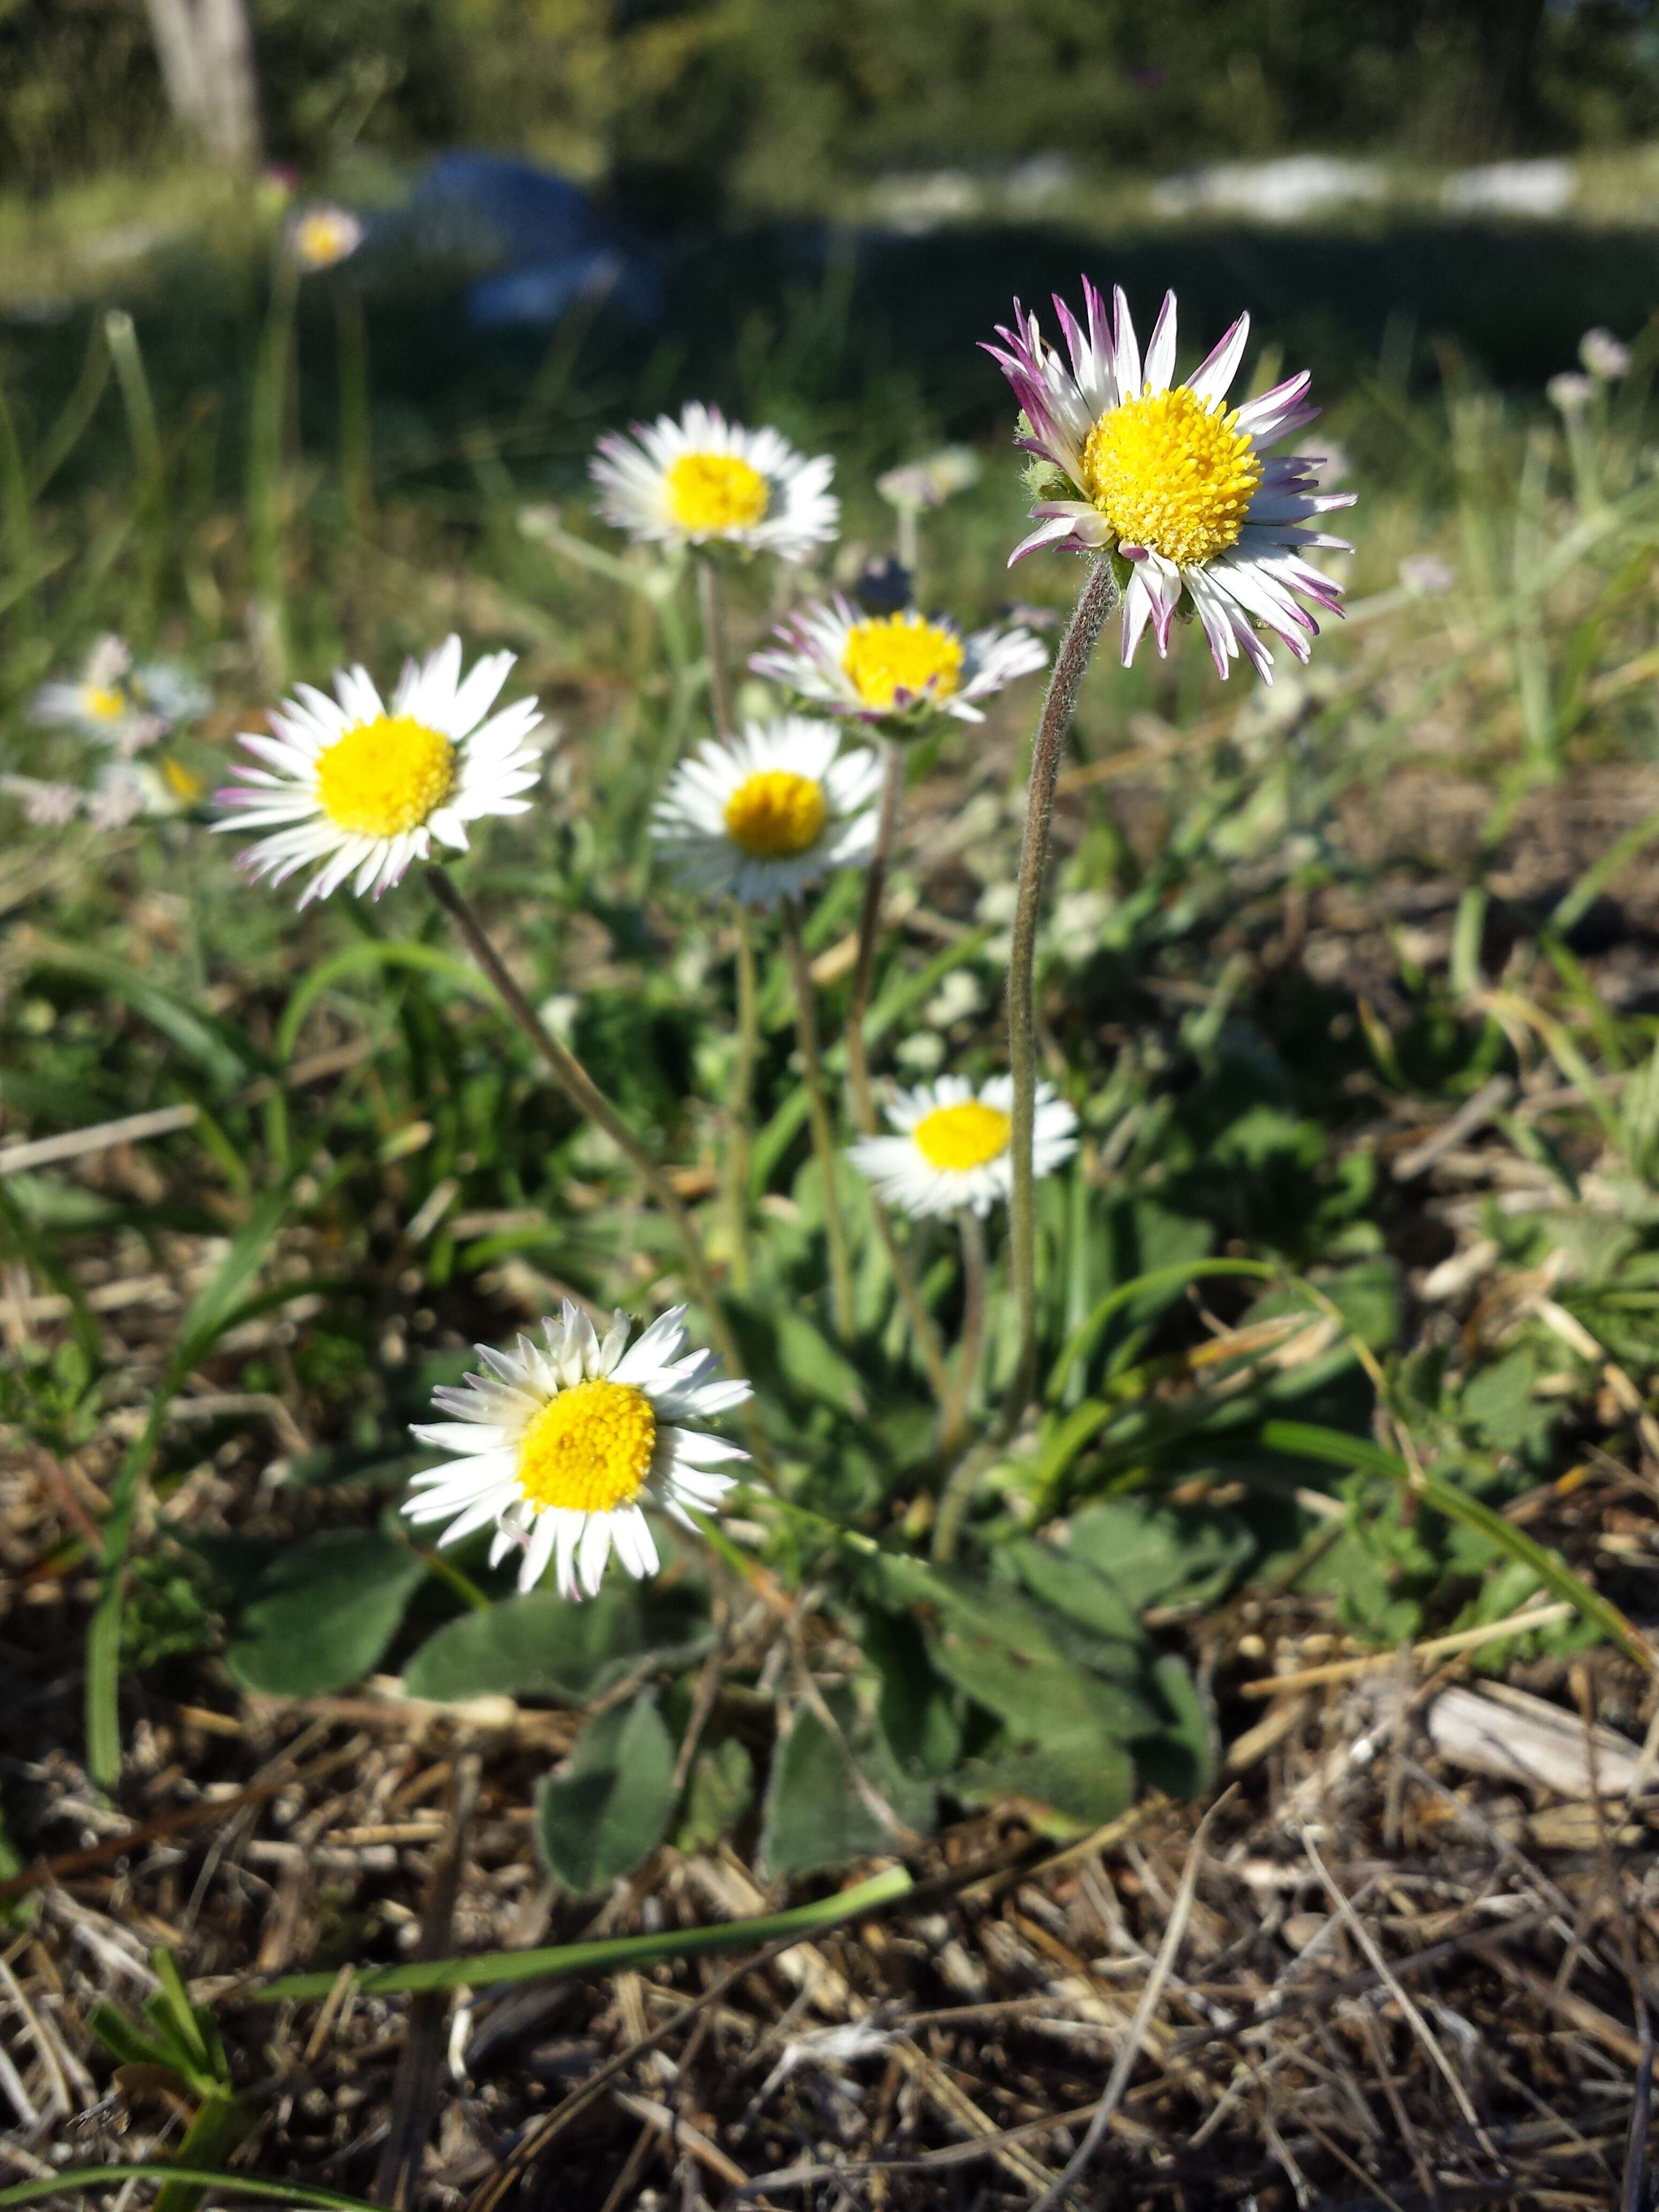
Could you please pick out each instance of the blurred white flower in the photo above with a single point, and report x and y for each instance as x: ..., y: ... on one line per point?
x: 1427, y: 576
x: 931, y: 481
x: 772, y: 812
x: 155, y: 786
x: 99, y: 703
x: 893, y: 668
x: 46, y: 805
x: 560, y: 1443
x: 1606, y: 357
x: 705, y: 481
x: 360, y: 787
x: 954, y: 1148
x: 1571, y: 391
x: 322, y: 236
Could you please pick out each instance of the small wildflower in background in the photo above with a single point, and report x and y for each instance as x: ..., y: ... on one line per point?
x: 1170, y: 481
x: 321, y: 236
x: 930, y: 483
x: 703, y: 481
x: 560, y: 1443
x: 887, y: 669
x: 100, y: 702
x: 954, y: 1146
x: 770, y: 814
x: 1571, y: 393
x: 1427, y: 576
x: 1606, y: 357
x: 362, y: 788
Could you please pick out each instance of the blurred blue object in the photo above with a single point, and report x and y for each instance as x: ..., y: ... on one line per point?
x: 536, y: 242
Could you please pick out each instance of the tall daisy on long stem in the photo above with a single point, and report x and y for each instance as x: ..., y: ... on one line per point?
x: 355, y: 788
x: 1172, y: 491
x: 764, y: 819
x: 953, y: 1153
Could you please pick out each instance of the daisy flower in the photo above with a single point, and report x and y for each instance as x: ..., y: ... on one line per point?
x: 704, y: 481
x: 561, y: 1444
x: 954, y: 1145
x: 773, y: 811
x: 356, y: 787
x: 323, y: 236
x: 100, y: 702
x: 1170, y: 480
x: 894, y: 667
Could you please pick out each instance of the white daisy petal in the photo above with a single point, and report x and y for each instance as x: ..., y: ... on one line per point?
x: 1170, y: 481
x: 356, y: 791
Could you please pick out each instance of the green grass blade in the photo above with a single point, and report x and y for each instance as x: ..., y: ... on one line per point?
x: 493, y: 1967
x: 285, y: 2192
x: 358, y: 959
x: 1089, y: 1331
x: 1305, y: 1440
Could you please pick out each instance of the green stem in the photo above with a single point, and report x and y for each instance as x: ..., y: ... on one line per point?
x: 711, y: 607
x: 856, y: 1044
x: 145, y: 439
x: 585, y: 1095
x: 103, y: 1679
x: 818, y: 1111
x: 953, y: 1427
x: 607, y: 1955
x: 1094, y: 604
x: 356, y: 455
x: 740, y: 1129
x: 864, y: 966
x: 265, y: 479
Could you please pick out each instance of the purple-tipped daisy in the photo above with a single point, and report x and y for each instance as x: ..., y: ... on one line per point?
x: 1171, y: 481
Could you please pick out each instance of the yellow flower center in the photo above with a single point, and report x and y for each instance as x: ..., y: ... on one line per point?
x: 102, y: 702
x: 386, y: 776
x: 710, y: 495
x: 775, y: 814
x: 588, y: 1449
x: 1171, y: 474
x: 890, y: 654
x: 957, y: 1138
x: 323, y: 239
x: 178, y: 778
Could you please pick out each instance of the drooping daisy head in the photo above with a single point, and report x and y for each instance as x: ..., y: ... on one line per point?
x: 703, y: 481
x: 895, y: 670
x: 563, y: 1442
x: 772, y: 812
x: 323, y: 235
x: 353, y: 786
x: 1170, y: 481
x: 103, y: 702
x: 953, y: 1148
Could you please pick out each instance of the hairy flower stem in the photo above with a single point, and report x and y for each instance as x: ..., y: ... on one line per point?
x: 864, y: 967
x: 711, y: 609
x: 817, y: 1109
x: 1095, y: 603
x: 741, y: 1120
x: 929, y: 1349
x: 585, y: 1095
x: 953, y: 1427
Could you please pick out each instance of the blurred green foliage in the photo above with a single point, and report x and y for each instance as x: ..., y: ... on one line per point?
x: 702, y: 95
